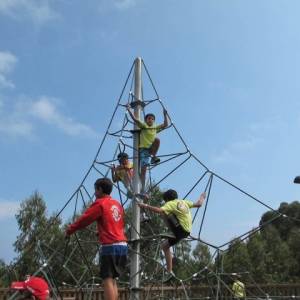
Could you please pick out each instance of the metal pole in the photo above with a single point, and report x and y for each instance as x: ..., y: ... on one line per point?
x: 135, y: 230
x: 217, y: 275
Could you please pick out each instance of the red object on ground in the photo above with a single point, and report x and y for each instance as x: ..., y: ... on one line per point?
x: 36, y: 285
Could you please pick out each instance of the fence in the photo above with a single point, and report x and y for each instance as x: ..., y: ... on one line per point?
x: 265, y: 291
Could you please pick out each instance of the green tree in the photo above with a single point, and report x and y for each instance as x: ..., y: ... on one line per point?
x: 237, y: 257
x: 182, y: 260
x: 278, y: 256
x: 152, y: 234
x: 200, y: 262
x: 4, y: 274
x: 39, y: 237
x: 80, y: 256
x: 256, y: 251
x: 294, y: 246
x: 201, y: 257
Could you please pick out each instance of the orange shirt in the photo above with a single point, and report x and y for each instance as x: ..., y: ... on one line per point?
x: 123, y: 172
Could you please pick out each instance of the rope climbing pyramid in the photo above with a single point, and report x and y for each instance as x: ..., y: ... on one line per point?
x: 76, y: 261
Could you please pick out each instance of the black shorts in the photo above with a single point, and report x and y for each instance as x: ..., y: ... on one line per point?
x: 176, y: 229
x: 113, y: 261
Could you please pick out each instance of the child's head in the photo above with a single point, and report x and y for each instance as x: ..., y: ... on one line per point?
x: 170, y: 195
x: 122, y: 158
x: 103, y: 186
x: 149, y: 119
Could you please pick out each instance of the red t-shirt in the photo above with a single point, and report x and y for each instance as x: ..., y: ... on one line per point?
x: 109, y: 215
x: 36, y: 285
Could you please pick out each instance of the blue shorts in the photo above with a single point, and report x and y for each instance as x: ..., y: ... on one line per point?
x: 144, y: 156
x: 113, y: 261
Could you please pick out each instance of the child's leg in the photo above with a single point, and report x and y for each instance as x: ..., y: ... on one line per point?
x: 116, y: 290
x: 144, y: 157
x: 168, y: 255
x: 154, y: 147
x: 110, y: 289
x: 143, y: 178
x: 127, y: 181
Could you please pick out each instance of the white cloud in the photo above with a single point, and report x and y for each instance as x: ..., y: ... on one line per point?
x: 16, y: 128
x: 21, y: 119
x: 7, y: 64
x: 124, y: 4
x: 45, y: 110
x: 232, y: 152
x: 106, y: 5
x: 37, y: 10
x: 256, y: 134
x: 8, y: 209
x: 27, y: 115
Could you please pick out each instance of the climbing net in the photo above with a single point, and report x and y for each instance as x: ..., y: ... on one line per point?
x: 77, y: 258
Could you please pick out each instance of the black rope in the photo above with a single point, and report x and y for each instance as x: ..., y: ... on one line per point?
x: 252, y: 231
x: 172, y: 171
x: 150, y: 79
x: 83, y: 255
x: 122, y: 134
x: 197, y: 182
x: 209, y: 184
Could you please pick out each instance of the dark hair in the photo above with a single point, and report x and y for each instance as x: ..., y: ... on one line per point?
x: 149, y: 115
x: 122, y: 155
x: 104, y: 184
x: 170, y: 195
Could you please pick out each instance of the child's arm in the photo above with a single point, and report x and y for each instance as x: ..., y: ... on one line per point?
x: 152, y: 208
x: 200, y: 201
x: 165, y: 124
x: 113, y: 173
x: 137, y: 121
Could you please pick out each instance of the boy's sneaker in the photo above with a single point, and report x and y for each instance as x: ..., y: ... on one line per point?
x: 155, y: 160
x: 168, y: 276
x: 144, y: 218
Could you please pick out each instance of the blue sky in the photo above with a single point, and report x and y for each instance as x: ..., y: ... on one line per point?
x: 227, y: 71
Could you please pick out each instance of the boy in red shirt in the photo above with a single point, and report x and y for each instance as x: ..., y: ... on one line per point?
x: 109, y: 215
x: 32, y: 288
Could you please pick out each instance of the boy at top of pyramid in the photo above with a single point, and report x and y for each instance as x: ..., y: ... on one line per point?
x: 149, y: 143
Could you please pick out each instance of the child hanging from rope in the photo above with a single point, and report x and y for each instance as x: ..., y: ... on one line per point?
x: 123, y: 172
x: 149, y: 143
x: 178, y: 217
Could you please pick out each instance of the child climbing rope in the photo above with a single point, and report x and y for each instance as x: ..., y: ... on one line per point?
x: 177, y: 215
x: 123, y: 172
x: 109, y: 216
x: 149, y: 143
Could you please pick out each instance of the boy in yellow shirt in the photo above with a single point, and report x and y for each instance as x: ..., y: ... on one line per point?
x: 123, y: 172
x: 238, y: 288
x: 149, y: 143
x: 178, y: 217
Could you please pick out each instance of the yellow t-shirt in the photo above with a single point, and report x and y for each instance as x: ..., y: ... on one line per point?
x: 181, y: 209
x: 123, y: 172
x: 238, y: 289
x: 147, y: 134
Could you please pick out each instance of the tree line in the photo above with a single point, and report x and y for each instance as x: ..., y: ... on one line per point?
x: 270, y: 255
